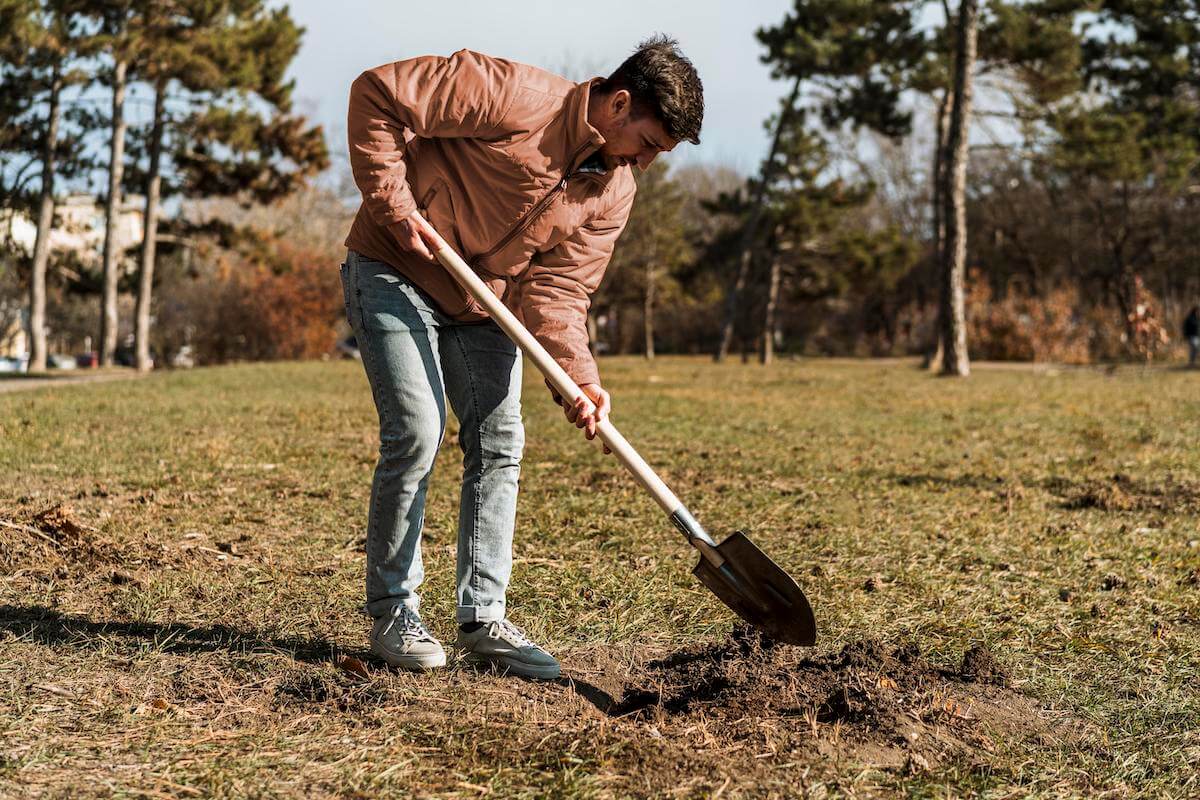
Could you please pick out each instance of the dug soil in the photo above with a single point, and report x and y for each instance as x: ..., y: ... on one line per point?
x: 888, y: 707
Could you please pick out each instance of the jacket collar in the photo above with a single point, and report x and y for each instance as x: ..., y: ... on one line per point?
x: 582, y: 139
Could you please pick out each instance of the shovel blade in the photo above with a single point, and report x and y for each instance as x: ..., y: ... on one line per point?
x: 759, y: 591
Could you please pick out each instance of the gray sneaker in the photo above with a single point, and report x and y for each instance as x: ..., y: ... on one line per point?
x: 400, y: 639
x: 506, y: 647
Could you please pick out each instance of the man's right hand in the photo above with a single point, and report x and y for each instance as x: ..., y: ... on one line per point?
x: 415, y: 235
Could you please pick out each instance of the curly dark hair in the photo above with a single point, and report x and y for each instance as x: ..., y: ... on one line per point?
x: 662, y: 81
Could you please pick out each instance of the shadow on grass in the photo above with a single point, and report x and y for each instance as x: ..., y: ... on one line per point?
x: 1113, y: 492
x: 602, y: 700
x: 46, y: 626
x: 49, y: 627
x: 929, y: 480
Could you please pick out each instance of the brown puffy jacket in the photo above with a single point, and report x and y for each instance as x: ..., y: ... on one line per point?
x: 490, y: 152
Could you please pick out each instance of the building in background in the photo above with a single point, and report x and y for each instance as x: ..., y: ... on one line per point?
x: 77, y: 234
x: 79, y: 227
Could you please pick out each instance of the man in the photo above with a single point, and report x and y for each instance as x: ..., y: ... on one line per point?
x: 528, y: 176
x: 1191, y: 334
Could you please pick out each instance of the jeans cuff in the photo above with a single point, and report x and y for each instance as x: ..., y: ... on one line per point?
x: 492, y: 612
x: 381, y: 607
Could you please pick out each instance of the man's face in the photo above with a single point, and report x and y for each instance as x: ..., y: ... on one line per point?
x: 629, y: 139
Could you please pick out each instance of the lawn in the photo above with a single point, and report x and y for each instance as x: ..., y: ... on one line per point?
x: 181, y: 576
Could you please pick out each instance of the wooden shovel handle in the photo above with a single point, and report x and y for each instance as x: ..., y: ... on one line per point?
x: 606, y: 431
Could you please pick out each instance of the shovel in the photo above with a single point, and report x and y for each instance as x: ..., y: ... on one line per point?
x: 738, y: 573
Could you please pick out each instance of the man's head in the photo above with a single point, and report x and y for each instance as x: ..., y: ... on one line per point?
x: 652, y: 102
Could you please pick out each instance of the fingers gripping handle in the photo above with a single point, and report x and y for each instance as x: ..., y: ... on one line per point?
x: 606, y: 431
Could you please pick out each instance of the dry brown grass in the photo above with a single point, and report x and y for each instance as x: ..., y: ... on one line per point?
x: 181, y: 569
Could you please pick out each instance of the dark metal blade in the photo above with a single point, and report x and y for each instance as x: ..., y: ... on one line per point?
x: 759, y: 591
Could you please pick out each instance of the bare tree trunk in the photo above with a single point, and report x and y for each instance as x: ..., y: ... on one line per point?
x: 767, y: 354
x: 108, y: 314
x: 933, y: 353
x: 751, y: 230
x: 150, y: 241
x: 939, y: 173
x: 41, y: 246
x: 955, y: 360
x: 648, y: 308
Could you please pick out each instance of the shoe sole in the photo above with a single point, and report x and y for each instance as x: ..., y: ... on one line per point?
x: 510, y: 667
x: 414, y: 663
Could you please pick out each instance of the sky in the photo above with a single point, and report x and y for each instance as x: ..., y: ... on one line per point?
x: 345, y: 37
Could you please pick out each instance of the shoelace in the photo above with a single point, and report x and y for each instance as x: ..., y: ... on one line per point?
x: 511, y: 632
x: 411, y: 626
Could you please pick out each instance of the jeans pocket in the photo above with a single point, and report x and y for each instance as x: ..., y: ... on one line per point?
x: 346, y: 293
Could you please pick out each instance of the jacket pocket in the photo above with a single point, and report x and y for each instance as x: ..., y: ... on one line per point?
x: 437, y: 207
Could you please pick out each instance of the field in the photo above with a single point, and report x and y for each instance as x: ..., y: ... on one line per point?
x: 1005, y: 571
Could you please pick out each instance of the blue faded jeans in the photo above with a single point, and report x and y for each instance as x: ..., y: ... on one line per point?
x: 415, y: 358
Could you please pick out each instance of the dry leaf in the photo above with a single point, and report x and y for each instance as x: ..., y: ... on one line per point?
x: 353, y: 665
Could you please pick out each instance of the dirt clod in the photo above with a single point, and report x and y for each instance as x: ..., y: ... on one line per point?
x: 121, y: 577
x: 980, y: 665
x: 1113, y: 581
x: 60, y: 522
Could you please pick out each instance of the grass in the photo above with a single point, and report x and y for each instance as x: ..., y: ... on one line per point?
x: 175, y: 631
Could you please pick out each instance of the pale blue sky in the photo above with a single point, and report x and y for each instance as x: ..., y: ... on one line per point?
x: 345, y: 37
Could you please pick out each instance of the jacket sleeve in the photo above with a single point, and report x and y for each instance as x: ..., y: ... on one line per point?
x: 466, y: 95
x: 556, y: 290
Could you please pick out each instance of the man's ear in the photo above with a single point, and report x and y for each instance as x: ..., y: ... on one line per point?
x: 620, y: 103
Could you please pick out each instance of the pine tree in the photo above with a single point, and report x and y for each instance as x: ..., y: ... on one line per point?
x: 863, y: 56
x: 233, y: 55
x: 751, y: 230
x: 120, y: 32
x: 40, y: 40
x: 1129, y: 147
x: 222, y: 123
x: 952, y: 317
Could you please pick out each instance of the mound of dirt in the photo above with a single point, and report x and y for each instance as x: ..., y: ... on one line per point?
x: 1120, y: 492
x: 1104, y: 496
x: 51, y: 538
x: 887, y: 705
x: 61, y: 524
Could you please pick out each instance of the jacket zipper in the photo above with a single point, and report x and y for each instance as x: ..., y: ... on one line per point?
x: 532, y: 214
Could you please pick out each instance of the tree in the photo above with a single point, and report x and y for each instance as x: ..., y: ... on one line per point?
x: 221, y: 125
x: 952, y: 319
x: 654, y: 245
x: 1129, y: 148
x: 750, y: 232
x: 41, y: 38
x: 222, y: 68
x: 862, y: 57
x: 120, y: 31
x: 806, y: 206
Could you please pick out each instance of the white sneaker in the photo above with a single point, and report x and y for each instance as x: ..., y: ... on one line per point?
x: 402, y: 640
x: 505, y: 646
